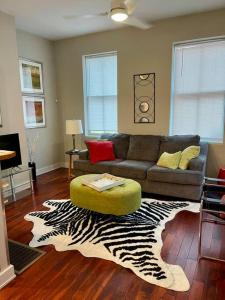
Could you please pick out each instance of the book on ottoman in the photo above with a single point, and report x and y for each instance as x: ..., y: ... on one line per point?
x: 103, y: 182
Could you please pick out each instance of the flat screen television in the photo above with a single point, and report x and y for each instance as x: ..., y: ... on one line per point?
x: 10, y: 142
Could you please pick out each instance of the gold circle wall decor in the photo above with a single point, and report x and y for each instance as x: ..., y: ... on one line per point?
x: 144, y: 107
x: 144, y: 98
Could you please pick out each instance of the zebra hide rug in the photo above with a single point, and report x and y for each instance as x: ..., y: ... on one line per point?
x: 133, y: 241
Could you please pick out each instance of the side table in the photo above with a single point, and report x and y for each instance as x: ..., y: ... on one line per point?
x: 71, y: 153
x: 212, y: 203
x: 15, y: 171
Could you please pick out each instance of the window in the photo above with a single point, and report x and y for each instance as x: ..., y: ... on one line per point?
x: 198, y: 90
x: 100, y: 93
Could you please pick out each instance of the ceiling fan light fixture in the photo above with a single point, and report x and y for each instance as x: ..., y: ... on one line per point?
x: 118, y: 14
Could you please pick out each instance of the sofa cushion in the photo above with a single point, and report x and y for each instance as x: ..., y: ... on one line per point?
x: 187, y: 155
x: 144, y: 147
x: 161, y: 174
x: 99, y: 167
x: 100, y: 151
x: 169, y: 160
x: 121, y: 143
x: 175, y: 143
x: 131, y: 169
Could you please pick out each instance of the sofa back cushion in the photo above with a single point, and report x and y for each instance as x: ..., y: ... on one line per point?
x: 144, y: 147
x: 175, y: 143
x: 121, y: 143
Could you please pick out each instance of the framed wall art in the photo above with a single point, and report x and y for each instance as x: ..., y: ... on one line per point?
x: 144, y: 98
x: 34, y: 111
x: 31, y: 77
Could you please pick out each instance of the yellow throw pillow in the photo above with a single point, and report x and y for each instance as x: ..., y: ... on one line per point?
x: 169, y: 160
x: 187, y: 155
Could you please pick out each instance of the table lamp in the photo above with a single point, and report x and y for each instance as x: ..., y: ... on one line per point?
x: 74, y: 127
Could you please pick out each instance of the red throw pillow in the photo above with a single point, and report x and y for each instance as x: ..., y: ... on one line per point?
x: 100, y: 150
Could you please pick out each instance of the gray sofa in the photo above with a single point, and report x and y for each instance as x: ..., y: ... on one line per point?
x: 136, y: 157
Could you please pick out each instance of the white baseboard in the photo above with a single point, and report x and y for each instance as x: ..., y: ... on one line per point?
x: 6, y: 276
x: 49, y: 168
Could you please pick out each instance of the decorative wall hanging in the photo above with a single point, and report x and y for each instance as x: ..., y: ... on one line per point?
x: 31, y: 77
x: 144, y: 98
x: 34, y: 111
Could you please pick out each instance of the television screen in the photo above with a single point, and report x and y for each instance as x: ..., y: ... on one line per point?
x: 10, y: 142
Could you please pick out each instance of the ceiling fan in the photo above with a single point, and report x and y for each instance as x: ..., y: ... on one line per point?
x: 121, y: 11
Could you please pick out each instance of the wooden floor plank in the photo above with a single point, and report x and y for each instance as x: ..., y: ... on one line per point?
x: 69, y: 275
x: 197, y: 290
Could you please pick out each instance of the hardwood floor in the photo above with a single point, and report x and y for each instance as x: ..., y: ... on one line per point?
x: 68, y: 275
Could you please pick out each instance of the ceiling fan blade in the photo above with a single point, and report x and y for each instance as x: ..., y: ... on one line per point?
x: 130, y: 5
x: 132, y: 21
x: 87, y: 16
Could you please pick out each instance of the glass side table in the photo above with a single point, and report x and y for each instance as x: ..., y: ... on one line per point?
x: 12, y: 172
x: 212, y: 205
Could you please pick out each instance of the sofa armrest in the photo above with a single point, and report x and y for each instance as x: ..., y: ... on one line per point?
x: 198, y: 163
x: 84, y: 154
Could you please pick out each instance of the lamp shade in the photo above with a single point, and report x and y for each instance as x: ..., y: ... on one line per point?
x: 74, y: 127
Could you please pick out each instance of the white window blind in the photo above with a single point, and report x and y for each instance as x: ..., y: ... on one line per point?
x: 198, y: 90
x: 100, y: 90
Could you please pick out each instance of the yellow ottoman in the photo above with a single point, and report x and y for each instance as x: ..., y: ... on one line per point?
x: 119, y: 200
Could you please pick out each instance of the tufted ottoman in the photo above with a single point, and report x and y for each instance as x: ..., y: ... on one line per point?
x: 119, y: 200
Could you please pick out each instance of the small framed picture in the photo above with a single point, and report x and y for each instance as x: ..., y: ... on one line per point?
x: 31, y: 77
x: 34, y: 111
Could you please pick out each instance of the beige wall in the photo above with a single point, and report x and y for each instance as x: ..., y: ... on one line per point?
x: 10, y: 96
x: 138, y: 52
x: 11, y: 110
x: 50, y: 146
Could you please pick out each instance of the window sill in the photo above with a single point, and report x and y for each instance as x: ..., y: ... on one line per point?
x: 214, y: 142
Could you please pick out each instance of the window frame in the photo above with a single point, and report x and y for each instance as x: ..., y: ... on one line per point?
x: 172, y: 84
x: 85, y: 103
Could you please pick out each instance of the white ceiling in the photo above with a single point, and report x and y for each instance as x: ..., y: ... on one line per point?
x: 46, y: 17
